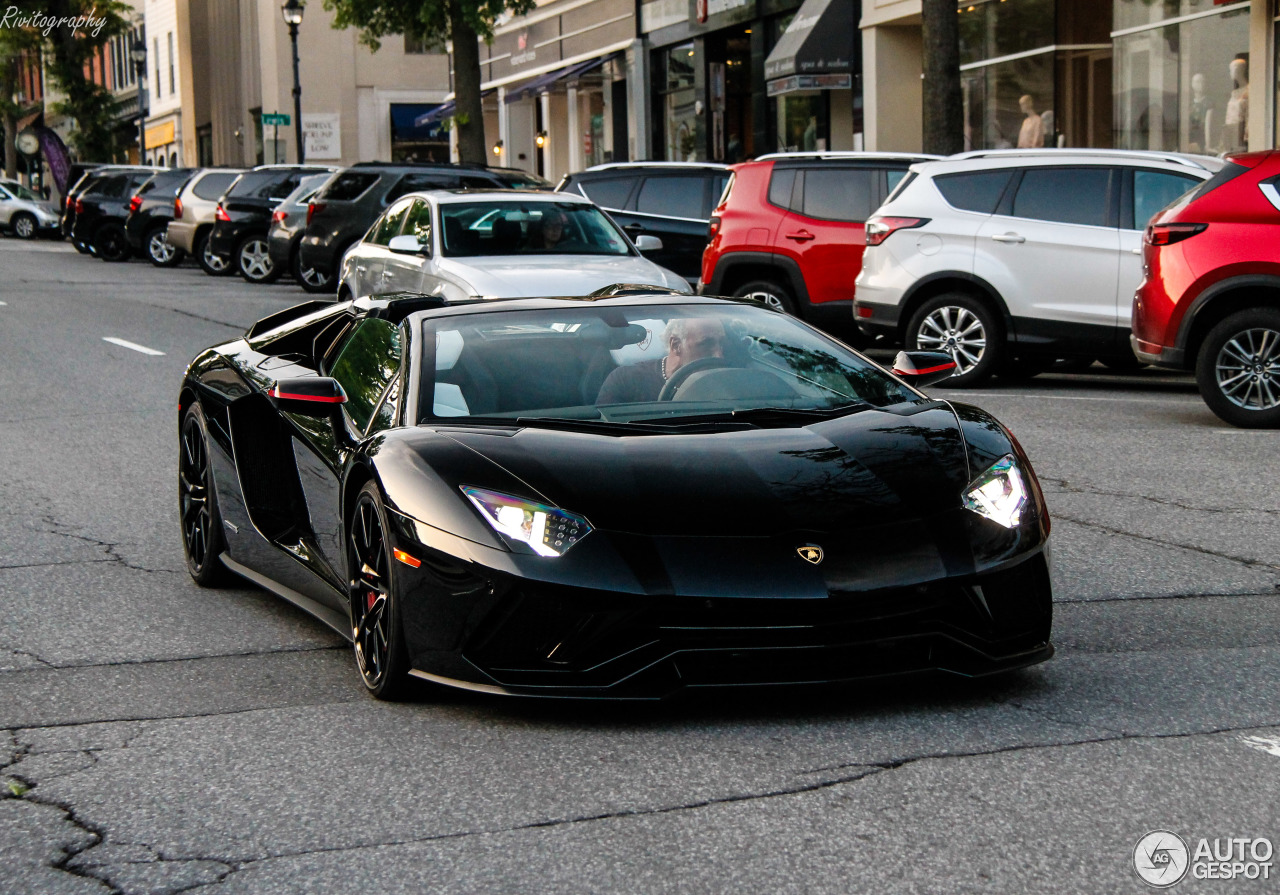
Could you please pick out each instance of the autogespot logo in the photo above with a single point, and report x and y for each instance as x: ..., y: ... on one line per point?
x: 1161, y: 859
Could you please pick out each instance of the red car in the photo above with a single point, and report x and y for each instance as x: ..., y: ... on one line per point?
x: 1210, y: 297
x: 789, y: 229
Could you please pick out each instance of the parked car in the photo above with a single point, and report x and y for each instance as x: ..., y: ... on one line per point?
x: 24, y: 214
x: 1011, y: 259
x: 76, y: 175
x: 288, y: 222
x: 342, y: 212
x: 87, y: 181
x: 243, y: 218
x: 1210, y: 297
x: 150, y: 211
x: 101, y: 207
x: 789, y: 229
x: 193, y: 215
x: 448, y: 487
x: 669, y: 200
x: 468, y: 244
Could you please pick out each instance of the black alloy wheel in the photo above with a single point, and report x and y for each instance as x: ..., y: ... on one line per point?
x: 376, y: 632
x: 311, y: 279
x: 212, y: 264
x: 23, y: 225
x: 81, y: 247
x: 252, y: 259
x: 202, y: 538
x: 769, y: 293
x: 110, y: 243
x: 963, y: 327
x: 1238, y: 369
x: 160, y: 251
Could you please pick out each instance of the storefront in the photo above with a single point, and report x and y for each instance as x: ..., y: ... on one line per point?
x: 811, y: 75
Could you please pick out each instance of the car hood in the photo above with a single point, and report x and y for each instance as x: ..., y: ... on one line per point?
x: 540, y: 275
x: 872, y: 468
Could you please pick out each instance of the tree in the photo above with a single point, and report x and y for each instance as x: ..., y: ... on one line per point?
x: 463, y: 22
x: 943, y: 104
x: 15, y: 45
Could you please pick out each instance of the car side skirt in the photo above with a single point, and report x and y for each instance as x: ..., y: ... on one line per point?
x: 330, y: 617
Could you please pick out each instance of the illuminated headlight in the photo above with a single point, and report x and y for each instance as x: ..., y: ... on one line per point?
x: 999, y: 494
x: 547, y: 530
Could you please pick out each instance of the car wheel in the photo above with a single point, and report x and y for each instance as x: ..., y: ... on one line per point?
x: 1238, y: 369
x: 110, y: 244
x: 770, y: 294
x: 23, y: 226
x: 202, y: 538
x: 253, y: 260
x: 81, y: 247
x: 309, y: 278
x: 160, y: 251
x: 212, y: 264
x: 963, y: 327
x: 376, y: 630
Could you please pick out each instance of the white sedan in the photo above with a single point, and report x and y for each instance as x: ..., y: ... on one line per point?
x: 500, y: 244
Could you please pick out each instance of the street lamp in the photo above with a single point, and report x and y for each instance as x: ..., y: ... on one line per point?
x: 138, y: 53
x: 292, y: 12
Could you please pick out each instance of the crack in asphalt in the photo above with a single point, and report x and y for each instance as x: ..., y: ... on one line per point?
x: 1251, y: 563
x: 58, y: 529
x: 1072, y: 488
x: 208, y: 319
x: 14, y: 651
x: 1147, y: 598
x: 120, y: 663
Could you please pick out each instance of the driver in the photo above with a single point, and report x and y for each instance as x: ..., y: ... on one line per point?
x: 688, y: 339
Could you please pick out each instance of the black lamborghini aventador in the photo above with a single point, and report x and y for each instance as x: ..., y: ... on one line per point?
x: 615, y: 496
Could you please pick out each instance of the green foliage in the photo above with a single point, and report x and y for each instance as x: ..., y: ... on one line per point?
x: 431, y: 20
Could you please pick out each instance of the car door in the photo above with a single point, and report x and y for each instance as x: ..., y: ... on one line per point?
x: 403, y: 272
x: 1052, y: 252
x: 1146, y: 192
x: 672, y: 207
x: 7, y: 206
x: 372, y: 254
x: 824, y: 230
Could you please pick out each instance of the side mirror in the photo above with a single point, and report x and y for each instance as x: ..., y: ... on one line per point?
x: 406, y: 245
x: 316, y: 396
x: 921, y: 368
x: 648, y: 243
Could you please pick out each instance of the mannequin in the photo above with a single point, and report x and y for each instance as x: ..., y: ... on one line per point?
x: 1032, y: 133
x: 1235, y: 124
x: 1200, y: 117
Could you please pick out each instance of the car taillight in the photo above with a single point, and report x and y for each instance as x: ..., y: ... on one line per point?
x: 277, y: 217
x: 135, y: 203
x: 713, y: 227
x: 881, y: 228
x: 70, y: 203
x: 79, y: 206
x: 221, y: 214
x: 1168, y: 234
x: 312, y: 208
x: 177, y: 209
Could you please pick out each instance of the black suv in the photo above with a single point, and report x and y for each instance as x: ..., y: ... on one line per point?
x: 150, y: 211
x: 671, y: 201
x: 101, y: 204
x: 243, y: 218
x: 348, y: 204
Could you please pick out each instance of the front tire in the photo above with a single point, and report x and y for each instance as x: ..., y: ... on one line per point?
x: 966, y: 329
x: 202, y: 537
x: 769, y: 293
x: 1238, y: 369
x: 376, y: 630
x: 253, y: 261
x: 160, y: 251
x: 23, y: 225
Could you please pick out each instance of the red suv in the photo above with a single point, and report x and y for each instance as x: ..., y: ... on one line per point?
x: 789, y: 229
x: 1210, y: 297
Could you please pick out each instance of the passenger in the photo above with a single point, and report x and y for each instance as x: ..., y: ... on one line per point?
x: 688, y: 339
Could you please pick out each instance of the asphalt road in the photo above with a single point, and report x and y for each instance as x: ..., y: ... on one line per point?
x: 156, y: 737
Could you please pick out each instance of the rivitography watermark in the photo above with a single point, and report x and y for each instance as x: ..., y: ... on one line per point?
x: 37, y: 21
x: 1162, y: 858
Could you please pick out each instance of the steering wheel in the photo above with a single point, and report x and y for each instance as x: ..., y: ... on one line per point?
x: 681, y: 375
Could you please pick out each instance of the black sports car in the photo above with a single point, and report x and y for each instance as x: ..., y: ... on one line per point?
x: 612, y: 496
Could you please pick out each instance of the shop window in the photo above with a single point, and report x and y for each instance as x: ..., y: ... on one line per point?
x: 1010, y: 104
x: 681, y: 129
x: 802, y: 122
x: 677, y: 197
x: 1064, y: 195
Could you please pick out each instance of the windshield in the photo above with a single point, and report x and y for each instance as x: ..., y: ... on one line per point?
x: 656, y: 363
x: 18, y: 191
x: 528, y: 228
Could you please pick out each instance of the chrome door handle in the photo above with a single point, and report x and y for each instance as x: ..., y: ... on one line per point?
x: 1009, y: 237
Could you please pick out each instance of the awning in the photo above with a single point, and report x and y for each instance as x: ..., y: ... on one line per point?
x: 440, y: 112
x: 819, y: 41
x: 540, y: 84
x: 27, y: 120
x: 404, y: 126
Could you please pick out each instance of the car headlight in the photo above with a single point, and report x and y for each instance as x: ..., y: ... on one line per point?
x: 999, y: 494
x: 546, y: 530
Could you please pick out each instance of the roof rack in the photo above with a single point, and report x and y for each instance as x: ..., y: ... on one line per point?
x: 1177, y: 158
x: 647, y: 164
x: 866, y: 156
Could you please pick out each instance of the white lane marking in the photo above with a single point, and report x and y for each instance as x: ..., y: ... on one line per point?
x: 134, y: 346
x: 4, y: 304
x: 1244, y: 432
x: 1269, y: 745
x: 961, y: 395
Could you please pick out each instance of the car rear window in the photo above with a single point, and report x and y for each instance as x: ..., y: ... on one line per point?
x: 973, y: 190
x: 212, y: 186
x: 674, y: 197
x: 349, y: 185
x: 256, y: 185
x: 413, y: 183
x: 170, y: 182
x: 608, y: 192
x: 839, y: 194
x: 1064, y: 195
x: 110, y: 186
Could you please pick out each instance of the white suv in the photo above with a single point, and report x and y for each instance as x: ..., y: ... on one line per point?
x: 1010, y: 259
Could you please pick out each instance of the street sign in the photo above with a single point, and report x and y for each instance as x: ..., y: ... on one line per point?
x: 275, y: 119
